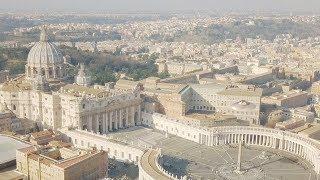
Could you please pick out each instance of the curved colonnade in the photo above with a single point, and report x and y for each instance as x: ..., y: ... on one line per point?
x: 292, y: 143
x: 150, y: 167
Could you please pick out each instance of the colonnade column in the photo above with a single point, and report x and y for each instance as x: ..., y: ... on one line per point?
x: 127, y: 117
x: 216, y: 140
x: 97, y: 124
x: 115, y: 119
x: 120, y: 119
x: 80, y: 123
x: 132, y: 116
x: 90, y: 123
x: 110, y: 120
x: 47, y: 73
x: 280, y: 144
x: 104, y: 129
x: 54, y: 72
x: 139, y: 115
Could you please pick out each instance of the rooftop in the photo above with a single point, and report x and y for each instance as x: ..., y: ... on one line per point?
x: 78, y: 91
x: 16, y: 85
x: 241, y: 92
x: 289, y: 94
x: 42, y: 134
x: 59, y: 156
x: 8, y: 147
x: 311, y: 130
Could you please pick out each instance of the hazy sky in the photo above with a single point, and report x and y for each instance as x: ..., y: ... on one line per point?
x: 158, y: 5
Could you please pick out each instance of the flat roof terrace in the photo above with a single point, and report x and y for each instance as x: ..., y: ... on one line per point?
x: 8, y: 147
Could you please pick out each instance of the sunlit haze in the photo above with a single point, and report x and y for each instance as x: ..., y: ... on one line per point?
x: 159, y: 5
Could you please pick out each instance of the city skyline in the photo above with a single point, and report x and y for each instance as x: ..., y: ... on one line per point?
x: 159, y: 89
x: 160, y: 6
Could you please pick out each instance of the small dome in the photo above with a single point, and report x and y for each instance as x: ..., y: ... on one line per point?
x: 44, y: 53
x: 243, y: 106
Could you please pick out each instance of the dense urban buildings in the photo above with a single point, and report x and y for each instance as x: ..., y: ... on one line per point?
x: 147, y: 97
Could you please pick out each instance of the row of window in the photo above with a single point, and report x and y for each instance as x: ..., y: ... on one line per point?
x: 203, y: 108
x: 115, y: 152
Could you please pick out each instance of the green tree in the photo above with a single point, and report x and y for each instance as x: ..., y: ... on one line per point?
x: 163, y: 75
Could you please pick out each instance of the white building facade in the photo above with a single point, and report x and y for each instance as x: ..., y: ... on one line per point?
x: 42, y: 96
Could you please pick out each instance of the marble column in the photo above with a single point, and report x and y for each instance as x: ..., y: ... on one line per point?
x: 89, y: 122
x: 80, y: 123
x: 286, y: 145
x: 139, y: 115
x: 225, y: 139
x: 300, y: 150
x: 132, y: 116
x: 216, y: 140
x: 260, y: 140
x: 117, y: 119
x: 106, y: 121
x: 281, y: 144
x: 103, y: 122
x: 110, y: 120
x: 120, y: 119
x: 97, y: 123
x: 127, y: 117
x: 54, y: 72
x: 46, y: 71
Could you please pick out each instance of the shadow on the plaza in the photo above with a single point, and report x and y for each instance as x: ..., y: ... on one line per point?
x: 122, y: 170
x: 174, y: 165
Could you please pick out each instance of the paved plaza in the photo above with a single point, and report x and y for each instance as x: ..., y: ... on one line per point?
x: 184, y: 157
x: 199, y: 161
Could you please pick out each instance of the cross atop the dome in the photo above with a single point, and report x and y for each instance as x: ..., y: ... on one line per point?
x: 43, y: 35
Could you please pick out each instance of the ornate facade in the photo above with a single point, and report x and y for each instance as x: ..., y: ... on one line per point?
x: 42, y: 96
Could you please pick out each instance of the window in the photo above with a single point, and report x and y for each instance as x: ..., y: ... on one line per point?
x: 14, y: 107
